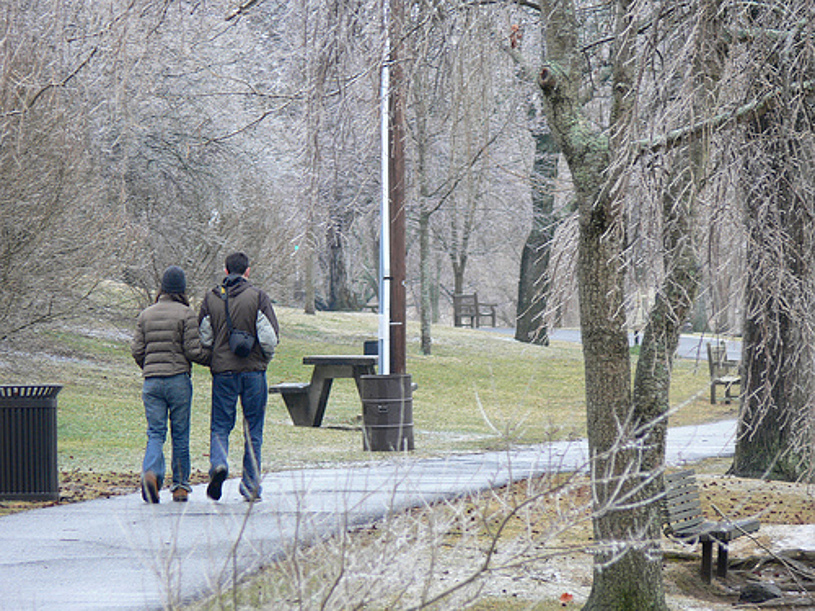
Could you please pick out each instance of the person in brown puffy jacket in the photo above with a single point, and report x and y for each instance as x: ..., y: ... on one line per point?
x: 165, y: 344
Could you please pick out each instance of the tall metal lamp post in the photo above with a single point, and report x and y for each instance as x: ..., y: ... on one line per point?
x: 387, y: 397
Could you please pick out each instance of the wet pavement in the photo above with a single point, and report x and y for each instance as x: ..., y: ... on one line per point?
x: 120, y: 553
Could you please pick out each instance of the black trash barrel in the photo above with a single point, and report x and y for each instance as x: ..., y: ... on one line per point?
x: 387, y: 412
x: 28, y: 442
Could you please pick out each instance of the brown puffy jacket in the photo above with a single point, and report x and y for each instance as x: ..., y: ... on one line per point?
x: 167, y: 339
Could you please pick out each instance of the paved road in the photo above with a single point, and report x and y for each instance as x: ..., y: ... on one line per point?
x: 118, y: 553
x: 690, y: 346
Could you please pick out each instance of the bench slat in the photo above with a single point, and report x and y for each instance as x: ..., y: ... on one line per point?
x: 685, y: 498
x: 680, y: 476
x: 681, y: 496
x: 289, y: 388
x: 680, y: 514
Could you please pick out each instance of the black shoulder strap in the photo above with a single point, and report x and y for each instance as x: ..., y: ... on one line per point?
x: 225, y: 297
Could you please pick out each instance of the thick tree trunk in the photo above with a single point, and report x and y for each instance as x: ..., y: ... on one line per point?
x: 770, y: 415
x: 533, y: 284
x: 627, y: 568
x: 627, y: 572
x: 775, y: 436
x: 459, y: 267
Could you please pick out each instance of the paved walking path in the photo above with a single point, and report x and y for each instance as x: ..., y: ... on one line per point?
x: 120, y: 553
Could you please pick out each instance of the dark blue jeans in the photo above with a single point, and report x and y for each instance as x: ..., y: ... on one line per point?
x: 253, y: 392
x: 168, y: 397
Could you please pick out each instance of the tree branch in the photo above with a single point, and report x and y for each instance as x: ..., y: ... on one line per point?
x: 738, y: 115
x: 453, y: 184
x: 241, y: 9
x: 33, y: 100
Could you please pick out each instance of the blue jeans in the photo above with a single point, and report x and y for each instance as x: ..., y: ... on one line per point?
x: 251, y: 388
x: 168, y: 397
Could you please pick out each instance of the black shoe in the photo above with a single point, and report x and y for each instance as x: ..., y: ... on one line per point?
x: 149, y: 488
x: 216, y: 480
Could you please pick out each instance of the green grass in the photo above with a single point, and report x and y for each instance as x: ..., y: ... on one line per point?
x: 478, y: 390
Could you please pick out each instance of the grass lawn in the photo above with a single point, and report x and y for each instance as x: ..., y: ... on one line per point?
x: 479, y: 390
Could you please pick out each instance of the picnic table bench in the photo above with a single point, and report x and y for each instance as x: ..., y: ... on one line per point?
x: 306, y: 402
x: 467, y: 306
x: 723, y: 371
x: 683, y: 520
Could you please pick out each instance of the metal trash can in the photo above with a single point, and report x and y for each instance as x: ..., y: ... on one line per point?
x: 387, y: 412
x: 28, y: 442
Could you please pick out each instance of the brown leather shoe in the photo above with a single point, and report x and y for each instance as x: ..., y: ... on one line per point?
x: 180, y: 495
x: 149, y: 487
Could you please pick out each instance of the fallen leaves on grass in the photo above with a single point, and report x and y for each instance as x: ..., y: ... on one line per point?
x: 78, y: 486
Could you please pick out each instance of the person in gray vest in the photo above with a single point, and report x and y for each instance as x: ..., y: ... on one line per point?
x: 166, y: 341
x: 238, y: 322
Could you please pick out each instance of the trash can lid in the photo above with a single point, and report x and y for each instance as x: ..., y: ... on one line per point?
x: 29, y: 390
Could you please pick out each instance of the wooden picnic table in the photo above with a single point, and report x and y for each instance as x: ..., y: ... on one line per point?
x: 306, y: 402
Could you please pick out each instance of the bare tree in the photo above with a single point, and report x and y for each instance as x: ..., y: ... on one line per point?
x: 333, y: 73
x: 627, y: 574
x: 777, y: 416
x: 188, y: 147
x: 56, y: 231
x: 472, y: 132
x: 626, y: 427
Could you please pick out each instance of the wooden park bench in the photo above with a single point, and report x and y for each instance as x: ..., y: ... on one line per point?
x: 467, y: 306
x: 683, y: 520
x: 723, y: 371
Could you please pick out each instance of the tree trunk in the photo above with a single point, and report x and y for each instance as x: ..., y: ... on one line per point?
x: 652, y: 380
x: 533, y: 284
x: 339, y: 295
x: 425, y: 282
x: 770, y: 414
x: 775, y: 423
x: 627, y: 572
x: 459, y: 266
x: 776, y: 435
x: 308, y: 273
x: 679, y: 287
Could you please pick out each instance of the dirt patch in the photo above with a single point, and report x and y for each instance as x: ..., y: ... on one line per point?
x: 541, y: 548
x: 781, y: 554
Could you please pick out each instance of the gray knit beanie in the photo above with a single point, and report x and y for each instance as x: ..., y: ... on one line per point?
x: 174, y: 281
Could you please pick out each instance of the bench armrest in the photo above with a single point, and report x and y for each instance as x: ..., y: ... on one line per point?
x: 729, y: 530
